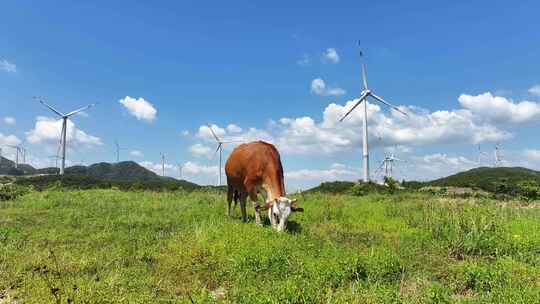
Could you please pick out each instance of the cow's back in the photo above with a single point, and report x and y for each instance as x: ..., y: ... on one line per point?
x: 252, y: 161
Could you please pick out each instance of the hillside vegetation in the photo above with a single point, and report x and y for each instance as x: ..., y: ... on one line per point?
x: 110, y: 246
x: 82, y: 182
x: 490, y: 179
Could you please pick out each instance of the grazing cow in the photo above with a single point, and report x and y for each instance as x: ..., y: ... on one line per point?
x: 255, y: 168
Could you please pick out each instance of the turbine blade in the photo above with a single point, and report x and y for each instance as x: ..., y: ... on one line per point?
x: 51, y: 108
x: 388, y: 104
x: 80, y: 110
x: 362, y: 98
x: 212, y: 130
x: 381, y: 166
x: 364, y: 77
x: 218, y: 147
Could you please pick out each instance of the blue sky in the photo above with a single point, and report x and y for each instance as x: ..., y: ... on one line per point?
x: 251, y: 65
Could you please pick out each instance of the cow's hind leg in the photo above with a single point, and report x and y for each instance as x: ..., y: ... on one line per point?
x: 243, y: 199
x: 230, y: 197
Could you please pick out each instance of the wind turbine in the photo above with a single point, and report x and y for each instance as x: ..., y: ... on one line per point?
x: 364, y: 95
x: 388, y: 164
x: 118, y: 148
x: 63, y: 135
x: 480, y: 155
x: 162, y: 163
x: 219, y: 148
x: 180, y: 170
x: 17, y: 151
x: 498, y: 155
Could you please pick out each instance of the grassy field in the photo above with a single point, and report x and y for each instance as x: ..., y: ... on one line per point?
x: 107, y: 246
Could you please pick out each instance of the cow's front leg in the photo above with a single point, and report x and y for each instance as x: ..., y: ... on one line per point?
x: 273, y: 218
x: 253, y: 196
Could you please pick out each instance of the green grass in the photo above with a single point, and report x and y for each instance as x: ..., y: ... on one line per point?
x: 107, y: 246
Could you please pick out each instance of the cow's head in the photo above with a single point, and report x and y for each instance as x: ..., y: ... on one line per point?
x: 279, y: 210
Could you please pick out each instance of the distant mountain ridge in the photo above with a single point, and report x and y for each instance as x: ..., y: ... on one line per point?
x: 126, y: 171
x: 122, y: 171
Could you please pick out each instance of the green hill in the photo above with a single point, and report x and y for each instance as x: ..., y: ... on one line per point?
x: 7, y: 167
x: 122, y: 171
x: 488, y: 179
x: 332, y: 187
x: 124, y: 175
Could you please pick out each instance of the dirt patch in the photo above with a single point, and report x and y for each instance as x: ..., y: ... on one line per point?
x: 8, y: 297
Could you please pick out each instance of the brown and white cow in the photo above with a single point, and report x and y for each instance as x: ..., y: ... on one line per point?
x: 255, y: 168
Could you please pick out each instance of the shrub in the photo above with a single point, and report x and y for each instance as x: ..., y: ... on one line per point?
x: 11, y: 192
x: 392, y: 184
x: 528, y: 191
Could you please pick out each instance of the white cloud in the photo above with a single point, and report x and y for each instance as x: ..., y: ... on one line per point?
x: 500, y: 109
x: 327, y: 136
x: 304, y: 61
x: 192, y: 168
x: 8, y: 120
x: 335, y: 172
x: 533, y: 154
x: 7, y: 66
x: 136, y: 153
x: 199, y: 150
x: 318, y: 86
x: 330, y: 55
x: 232, y: 128
x: 47, y: 130
x: 170, y: 170
x: 535, y: 90
x: 436, y: 165
x: 140, y: 108
x: 185, y: 133
x: 206, y: 134
x: 9, y: 140
x: 195, y: 172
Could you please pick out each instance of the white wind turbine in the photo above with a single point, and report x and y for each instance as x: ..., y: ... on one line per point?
x: 181, y: 170
x: 118, y: 149
x: 363, y: 99
x: 219, y: 148
x: 498, y: 155
x: 481, y: 154
x: 63, y: 135
x: 17, y: 151
x: 388, y: 164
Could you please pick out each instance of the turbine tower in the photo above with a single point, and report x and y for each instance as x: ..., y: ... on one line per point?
x: 118, y: 148
x: 498, y: 155
x: 17, y: 151
x: 180, y: 170
x: 219, y: 149
x: 162, y: 164
x: 63, y: 135
x: 480, y: 155
x: 364, y: 95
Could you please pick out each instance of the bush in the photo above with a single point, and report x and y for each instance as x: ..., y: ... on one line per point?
x: 392, y: 184
x: 11, y: 192
x: 528, y: 191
